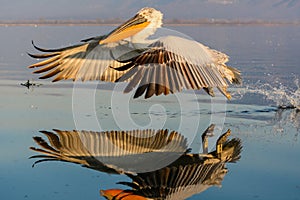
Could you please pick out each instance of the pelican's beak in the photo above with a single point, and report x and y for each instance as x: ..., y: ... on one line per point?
x: 126, y: 30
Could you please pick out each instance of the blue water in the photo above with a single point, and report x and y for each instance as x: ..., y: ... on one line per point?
x: 268, y: 57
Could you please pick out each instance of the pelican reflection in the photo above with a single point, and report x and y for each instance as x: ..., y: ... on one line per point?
x: 158, y: 162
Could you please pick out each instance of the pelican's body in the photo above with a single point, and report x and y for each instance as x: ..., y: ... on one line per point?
x: 161, y: 66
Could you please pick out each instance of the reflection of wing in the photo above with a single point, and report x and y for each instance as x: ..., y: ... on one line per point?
x: 118, y: 150
x: 174, y: 63
x: 179, y: 182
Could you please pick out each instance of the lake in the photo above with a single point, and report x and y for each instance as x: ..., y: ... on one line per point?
x: 262, y: 116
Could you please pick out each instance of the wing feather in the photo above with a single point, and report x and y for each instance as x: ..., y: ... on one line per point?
x: 45, y: 62
x: 86, y: 61
x: 143, y: 83
x: 182, y: 76
x: 135, y: 80
x: 171, y: 79
x: 166, y: 81
x: 48, y: 67
x: 159, y: 82
x: 151, y: 82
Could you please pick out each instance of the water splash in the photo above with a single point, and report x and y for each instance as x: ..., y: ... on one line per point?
x: 286, y: 98
x: 283, y: 96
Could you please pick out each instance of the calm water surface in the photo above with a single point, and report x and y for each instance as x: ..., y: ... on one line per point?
x: 268, y: 57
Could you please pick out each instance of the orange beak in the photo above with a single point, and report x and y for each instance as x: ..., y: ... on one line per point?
x: 126, y: 30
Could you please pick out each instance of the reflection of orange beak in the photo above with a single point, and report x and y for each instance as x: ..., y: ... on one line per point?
x: 118, y: 194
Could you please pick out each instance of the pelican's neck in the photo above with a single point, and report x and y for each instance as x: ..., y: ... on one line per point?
x: 142, y: 36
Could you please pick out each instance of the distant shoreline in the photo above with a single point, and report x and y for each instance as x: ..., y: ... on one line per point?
x: 173, y: 22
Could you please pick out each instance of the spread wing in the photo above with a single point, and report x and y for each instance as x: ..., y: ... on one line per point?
x: 174, y: 63
x: 87, y: 61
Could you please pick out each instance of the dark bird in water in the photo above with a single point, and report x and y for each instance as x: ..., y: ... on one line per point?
x: 29, y: 84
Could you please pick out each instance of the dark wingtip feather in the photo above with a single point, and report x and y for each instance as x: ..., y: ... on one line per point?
x: 124, y: 67
x: 87, y: 39
x: 209, y: 91
x: 31, y: 66
x: 32, y: 55
x: 150, y: 91
x: 45, y: 132
x: 46, y: 55
x: 237, y: 79
x: 41, y: 49
x: 159, y: 89
x: 56, y: 80
x: 54, y: 50
x: 140, y: 91
x: 50, y: 74
x: 42, y: 77
x: 43, y: 160
x: 132, y: 185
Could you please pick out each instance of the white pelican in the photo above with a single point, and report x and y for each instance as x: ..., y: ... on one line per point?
x: 161, y: 66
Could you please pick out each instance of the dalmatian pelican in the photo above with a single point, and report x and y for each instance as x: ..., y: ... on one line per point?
x: 163, y: 65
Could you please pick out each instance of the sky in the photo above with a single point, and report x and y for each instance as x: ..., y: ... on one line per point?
x: 172, y: 9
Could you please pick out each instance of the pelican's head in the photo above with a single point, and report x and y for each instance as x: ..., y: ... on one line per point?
x: 138, y: 28
x: 153, y: 20
x: 151, y: 15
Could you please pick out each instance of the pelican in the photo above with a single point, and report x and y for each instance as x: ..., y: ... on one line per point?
x: 163, y: 65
